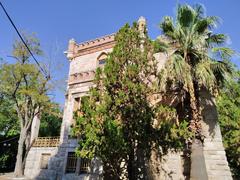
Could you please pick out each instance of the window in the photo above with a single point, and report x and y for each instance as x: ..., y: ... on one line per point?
x: 102, y: 59
x: 71, y: 162
x: 77, y: 165
x: 76, y: 104
x: 79, y: 104
x: 44, y: 160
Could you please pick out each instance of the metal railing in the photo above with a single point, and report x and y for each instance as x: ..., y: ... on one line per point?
x: 71, y: 162
x: 73, y: 165
x: 85, y: 165
x: 46, y: 142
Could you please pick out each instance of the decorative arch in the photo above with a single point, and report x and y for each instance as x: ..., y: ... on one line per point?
x: 102, y: 58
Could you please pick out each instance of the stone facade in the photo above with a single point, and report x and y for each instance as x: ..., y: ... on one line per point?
x: 83, y: 60
x: 211, y: 157
x: 209, y: 161
x: 33, y: 163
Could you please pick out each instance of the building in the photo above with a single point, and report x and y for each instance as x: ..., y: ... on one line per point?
x: 54, y: 158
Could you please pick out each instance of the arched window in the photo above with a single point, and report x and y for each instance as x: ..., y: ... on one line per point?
x: 102, y: 59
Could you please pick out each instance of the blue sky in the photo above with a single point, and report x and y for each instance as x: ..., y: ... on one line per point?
x: 55, y: 22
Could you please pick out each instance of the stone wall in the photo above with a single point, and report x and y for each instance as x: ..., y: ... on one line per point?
x: 169, y: 167
x: 213, y: 150
x: 33, y: 162
x: 86, y: 62
x: 212, y: 154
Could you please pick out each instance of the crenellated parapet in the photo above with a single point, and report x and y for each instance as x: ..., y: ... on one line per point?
x: 91, y: 46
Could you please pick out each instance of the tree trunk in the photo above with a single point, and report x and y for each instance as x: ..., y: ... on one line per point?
x: 19, y: 163
x: 109, y: 172
x: 195, y: 126
x: 130, y: 165
x: 28, y: 145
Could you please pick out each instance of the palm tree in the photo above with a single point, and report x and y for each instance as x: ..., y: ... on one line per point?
x: 196, y: 58
x: 197, y: 62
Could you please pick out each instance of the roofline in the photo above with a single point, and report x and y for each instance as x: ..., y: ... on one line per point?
x: 90, y: 46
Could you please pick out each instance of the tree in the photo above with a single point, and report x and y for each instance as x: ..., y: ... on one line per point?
x: 50, y: 125
x: 26, y: 87
x: 196, y: 66
x: 116, y: 120
x: 196, y: 60
x: 228, y: 104
x: 117, y: 117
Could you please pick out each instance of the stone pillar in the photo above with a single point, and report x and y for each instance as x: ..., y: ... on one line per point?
x: 198, y: 165
x: 213, y: 153
x: 71, y: 49
x: 35, y: 128
x: 67, y: 118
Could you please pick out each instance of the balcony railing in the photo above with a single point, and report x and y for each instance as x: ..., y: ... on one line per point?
x: 73, y: 165
x: 46, y: 142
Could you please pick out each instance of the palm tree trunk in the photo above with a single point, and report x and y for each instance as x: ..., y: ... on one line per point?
x: 198, y: 168
x: 194, y: 122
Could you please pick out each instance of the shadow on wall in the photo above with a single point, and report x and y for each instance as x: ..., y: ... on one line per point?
x: 209, y: 113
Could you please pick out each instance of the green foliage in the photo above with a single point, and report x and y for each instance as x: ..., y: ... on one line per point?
x: 9, y: 130
x: 190, y: 38
x: 118, y: 118
x: 160, y: 45
x: 51, y: 120
x: 23, y: 84
x: 9, y: 124
x: 20, y: 51
x: 196, y: 60
x: 171, y: 133
x: 228, y: 104
x: 3, y: 160
x: 23, y: 81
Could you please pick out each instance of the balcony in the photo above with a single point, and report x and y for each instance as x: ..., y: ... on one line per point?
x: 46, y: 142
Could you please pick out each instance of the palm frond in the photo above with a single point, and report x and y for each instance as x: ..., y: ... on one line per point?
x: 204, y: 24
x: 167, y: 26
x: 179, y: 70
x: 216, y: 39
x: 220, y: 70
x: 223, y: 52
x: 199, y: 9
x: 213, y: 21
x: 185, y: 15
x: 160, y: 46
x: 194, y: 44
x: 204, y: 75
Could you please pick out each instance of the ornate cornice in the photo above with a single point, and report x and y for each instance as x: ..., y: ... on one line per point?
x: 81, y: 77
